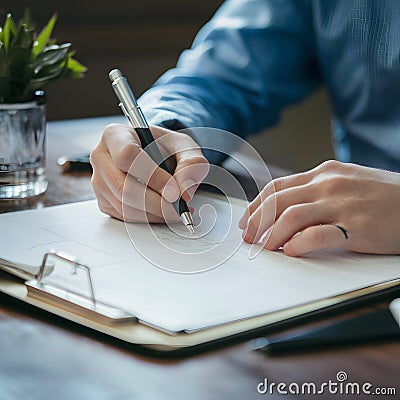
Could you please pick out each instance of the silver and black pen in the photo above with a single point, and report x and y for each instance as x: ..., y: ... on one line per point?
x: 134, y: 114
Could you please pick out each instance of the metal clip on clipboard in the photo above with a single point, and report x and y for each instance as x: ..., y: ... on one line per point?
x: 86, y: 306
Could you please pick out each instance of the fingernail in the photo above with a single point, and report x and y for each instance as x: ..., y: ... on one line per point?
x: 190, y: 187
x: 170, y: 192
x: 246, y: 237
x: 264, y: 241
x: 185, y: 197
x: 243, y: 222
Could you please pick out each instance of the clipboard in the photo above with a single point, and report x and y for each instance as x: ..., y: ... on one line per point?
x: 126, y: 327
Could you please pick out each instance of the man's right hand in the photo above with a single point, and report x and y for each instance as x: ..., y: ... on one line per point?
x: 129, y: 185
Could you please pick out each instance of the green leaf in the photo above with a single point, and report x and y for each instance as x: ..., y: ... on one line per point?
x: 20, y: 52
x: 24, y: 37
x: 27, y: 64
x: 40, y: 83
x: 51, y: 55
x: 3, y: 62
x: 74, y: 69
x: 20, y: 66
x: 5, y: 89
x: 50, y: 71
x: 27, y: 20
x: 44, y: 36
x: 5, y: 84
x: 9, y: 31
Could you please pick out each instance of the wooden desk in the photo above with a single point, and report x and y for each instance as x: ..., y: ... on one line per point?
x: 43, y: 358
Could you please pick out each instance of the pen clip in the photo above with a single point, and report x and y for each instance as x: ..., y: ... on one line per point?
x: 125, y: 112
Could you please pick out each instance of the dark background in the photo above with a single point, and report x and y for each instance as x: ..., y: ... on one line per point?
x: 144, y: 39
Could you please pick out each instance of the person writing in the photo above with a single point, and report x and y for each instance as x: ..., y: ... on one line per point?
x: 249, y: 62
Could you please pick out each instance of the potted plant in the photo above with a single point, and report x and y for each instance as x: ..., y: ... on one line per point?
x: 29, y: 61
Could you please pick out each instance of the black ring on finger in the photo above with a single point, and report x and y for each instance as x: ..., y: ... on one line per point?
x: 345, y: 233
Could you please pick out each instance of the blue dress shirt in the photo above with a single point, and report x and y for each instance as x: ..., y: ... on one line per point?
x: 255, y: 57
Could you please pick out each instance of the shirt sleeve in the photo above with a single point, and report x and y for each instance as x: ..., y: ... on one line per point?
x: 252, y: 59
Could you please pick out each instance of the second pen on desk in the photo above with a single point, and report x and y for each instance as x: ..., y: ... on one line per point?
x: 136, y: 118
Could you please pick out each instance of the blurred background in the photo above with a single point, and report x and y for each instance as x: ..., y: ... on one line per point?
x: 144, y: 39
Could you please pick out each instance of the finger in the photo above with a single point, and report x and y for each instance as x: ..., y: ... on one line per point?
x: 110, y: 205
x: 138, y: 195
x: 129, y: 190
x: 105, y: 173
x: 134, y: 216
x: 191, y: 165
x: 274, y: 186
x: 124, y: 147
x: 272, y: 208
x: 293, y: 220
x: 316, y: 238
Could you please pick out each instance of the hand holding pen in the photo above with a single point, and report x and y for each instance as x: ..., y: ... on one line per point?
x: 150, y: 186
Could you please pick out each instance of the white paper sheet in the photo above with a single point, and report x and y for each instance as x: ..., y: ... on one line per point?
x: 143, y: 271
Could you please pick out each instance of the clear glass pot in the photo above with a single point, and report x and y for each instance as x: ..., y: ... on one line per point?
x: 23, y: 149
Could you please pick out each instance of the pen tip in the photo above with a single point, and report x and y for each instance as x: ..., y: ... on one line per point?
x: 187, y: 220
x: 190, y: 228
